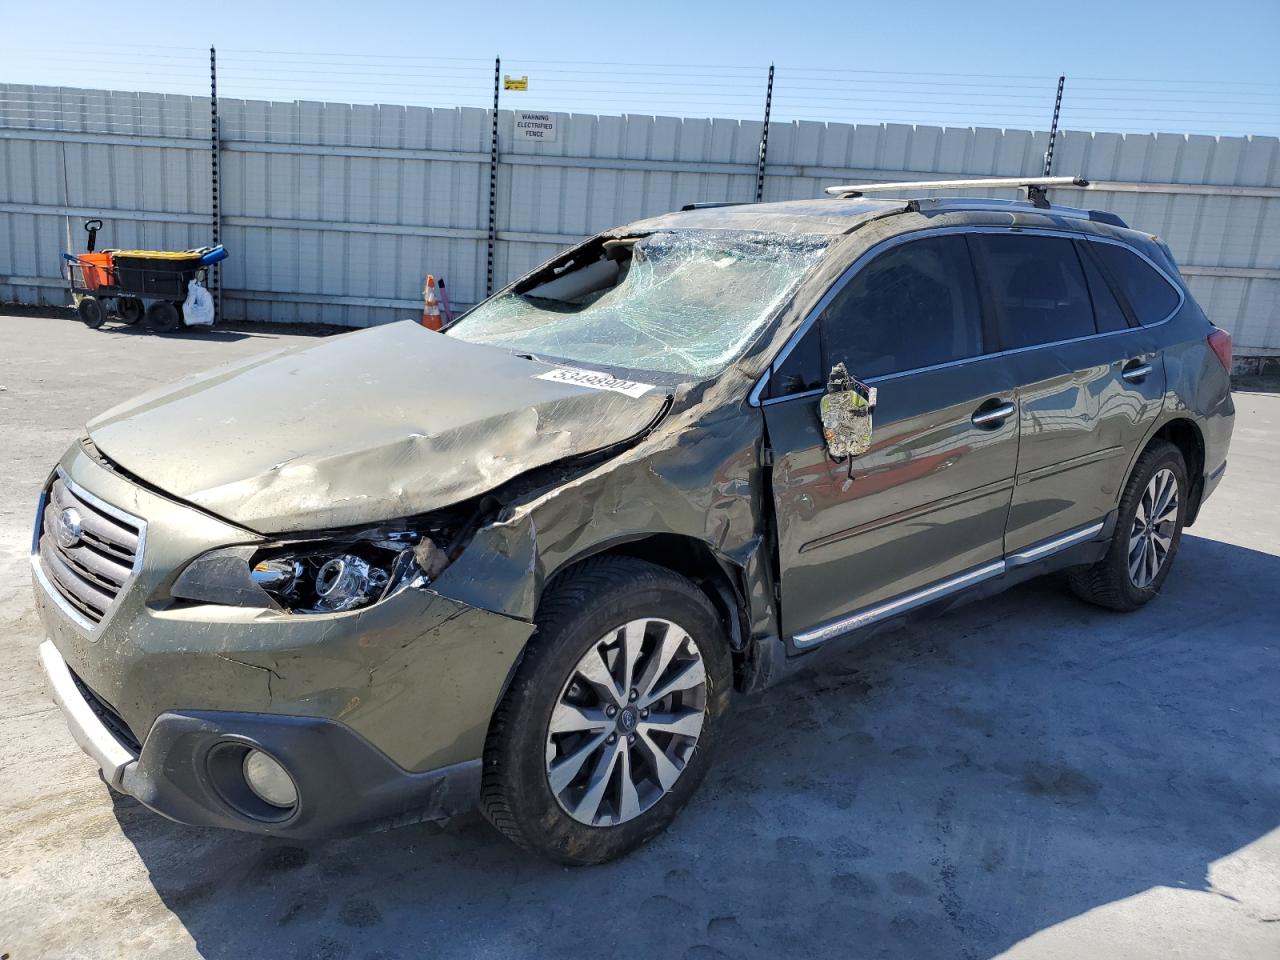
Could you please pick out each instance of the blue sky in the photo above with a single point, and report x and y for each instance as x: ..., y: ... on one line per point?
x: 1178, y: 66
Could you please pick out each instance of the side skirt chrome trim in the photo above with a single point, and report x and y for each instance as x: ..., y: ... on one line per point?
x: 945, y: 588
x: 891, y: 608
x: 1050, y: 547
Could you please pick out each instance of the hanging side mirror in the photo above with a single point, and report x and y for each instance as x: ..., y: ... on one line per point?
x: 846, y: 410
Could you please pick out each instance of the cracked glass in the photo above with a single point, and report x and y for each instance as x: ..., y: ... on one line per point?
x: 687, y: 302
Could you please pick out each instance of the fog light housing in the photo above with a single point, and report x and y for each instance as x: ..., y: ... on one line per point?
x: 269, y: 781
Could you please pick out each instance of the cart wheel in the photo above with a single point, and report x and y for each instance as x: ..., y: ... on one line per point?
x: 131, y: 310
x: 91, y: 312
x: 163, y: 317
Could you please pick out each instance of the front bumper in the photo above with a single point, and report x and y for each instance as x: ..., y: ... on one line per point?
x: 344, y: 783
x: 111, y: 756
x: 393, y: 699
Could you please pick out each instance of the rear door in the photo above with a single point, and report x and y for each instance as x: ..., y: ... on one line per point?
x: 1090, y: 379
x: 928, y: 502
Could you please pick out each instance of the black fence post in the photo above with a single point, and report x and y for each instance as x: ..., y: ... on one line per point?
x: 66, y: 181
x: 1053, y: 128
x: 215, y: 147
x: 493, y: 178
x: 764, y: 138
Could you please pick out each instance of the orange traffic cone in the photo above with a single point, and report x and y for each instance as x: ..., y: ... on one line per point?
x: 431, y: 305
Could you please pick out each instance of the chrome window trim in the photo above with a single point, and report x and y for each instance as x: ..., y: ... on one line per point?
x: 756, y: 400
x: 92, y: 630
x: 906, y: 602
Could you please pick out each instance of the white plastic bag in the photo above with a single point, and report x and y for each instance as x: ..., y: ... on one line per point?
x: 197, y: 309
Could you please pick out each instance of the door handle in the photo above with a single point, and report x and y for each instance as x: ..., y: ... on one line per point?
x: 993, y: 416
x: 1136, y: 373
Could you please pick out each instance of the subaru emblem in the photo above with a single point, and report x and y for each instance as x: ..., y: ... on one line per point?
x: 68, y: 530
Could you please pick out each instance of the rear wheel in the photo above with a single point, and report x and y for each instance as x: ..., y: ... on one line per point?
x: 163, y: 317
x: 1149, y: 525
x: 608, y: 725
x: 91, y: 312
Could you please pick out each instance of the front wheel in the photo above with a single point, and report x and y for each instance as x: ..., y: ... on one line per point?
x: 607, y: 728
x: 91, y: 312
x: 1149, y: 525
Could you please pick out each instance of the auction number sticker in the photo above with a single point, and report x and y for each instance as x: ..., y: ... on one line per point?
x: 596, y: 381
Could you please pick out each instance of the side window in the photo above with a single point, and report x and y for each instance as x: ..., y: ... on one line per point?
x: 1037, y: 287
x: 1148, y: 293
x: 1107, y: 311
x: 801, y: 369
x: 915, y: 305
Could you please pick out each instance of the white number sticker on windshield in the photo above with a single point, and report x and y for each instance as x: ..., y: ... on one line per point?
x: 596, y: 381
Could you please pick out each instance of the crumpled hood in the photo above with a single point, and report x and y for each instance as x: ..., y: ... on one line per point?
x: 371, y: 426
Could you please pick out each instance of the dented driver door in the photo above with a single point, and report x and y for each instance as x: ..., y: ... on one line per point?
x: 927, y: 502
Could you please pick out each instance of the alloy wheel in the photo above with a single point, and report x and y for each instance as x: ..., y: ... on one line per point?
x: 1154, y: 524
x: 626, y: 723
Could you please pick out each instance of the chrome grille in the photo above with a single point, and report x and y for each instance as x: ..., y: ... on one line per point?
x: 87, y: 572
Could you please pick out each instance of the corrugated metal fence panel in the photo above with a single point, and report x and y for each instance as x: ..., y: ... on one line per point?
x: 331, y: 204
x: 334, y: 212
x: 129, y: 159
x: 603, y: 171
x: 1214, y: 232
x: 1240, y: 233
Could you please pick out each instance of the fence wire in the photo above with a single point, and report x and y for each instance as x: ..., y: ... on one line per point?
x: 1182, y: 105
x: 345, y: 177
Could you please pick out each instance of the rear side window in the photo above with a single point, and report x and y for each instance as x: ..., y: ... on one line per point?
x: 1107, y: 311
x: 915, y: 305
x: 1037, y: 287
x: 1149, y: 294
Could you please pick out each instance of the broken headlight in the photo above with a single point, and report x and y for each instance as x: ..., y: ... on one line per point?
x: 333, y: 579
x: 311, y: 577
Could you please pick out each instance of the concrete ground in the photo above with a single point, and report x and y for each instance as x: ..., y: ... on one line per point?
x: 1027, y: 774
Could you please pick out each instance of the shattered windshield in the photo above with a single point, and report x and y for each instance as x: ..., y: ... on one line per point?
x: 687, y: 302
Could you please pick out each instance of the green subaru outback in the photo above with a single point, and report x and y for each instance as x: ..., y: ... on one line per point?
x: 525, y: 564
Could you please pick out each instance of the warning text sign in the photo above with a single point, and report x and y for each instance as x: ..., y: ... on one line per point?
x: 535, y: 126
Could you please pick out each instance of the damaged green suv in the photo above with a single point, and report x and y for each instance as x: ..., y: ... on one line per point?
x: 522, y: 564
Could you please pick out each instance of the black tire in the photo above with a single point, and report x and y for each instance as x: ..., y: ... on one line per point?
x: 91, y: 312
x: 582, y: 607
x: 1109, y: 583
x: 163, y: 317
x: 130, y: 310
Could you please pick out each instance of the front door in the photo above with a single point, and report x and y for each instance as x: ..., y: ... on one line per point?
x: 927, y: 503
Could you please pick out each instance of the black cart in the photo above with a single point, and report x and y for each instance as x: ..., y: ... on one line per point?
x: 130, y: 285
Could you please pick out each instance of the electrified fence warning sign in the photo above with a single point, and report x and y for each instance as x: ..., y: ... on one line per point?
x: 536, y: 126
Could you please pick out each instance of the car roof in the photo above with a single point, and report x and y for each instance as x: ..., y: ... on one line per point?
x: 836, y: 216
x: 823, y: 217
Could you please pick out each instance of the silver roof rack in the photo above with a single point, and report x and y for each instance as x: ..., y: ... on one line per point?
x: 1034, y: 186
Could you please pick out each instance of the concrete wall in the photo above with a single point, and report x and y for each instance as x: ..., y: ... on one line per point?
x: 335, y: 212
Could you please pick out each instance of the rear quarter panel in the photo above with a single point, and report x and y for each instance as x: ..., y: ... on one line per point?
x: 1197, y: 386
